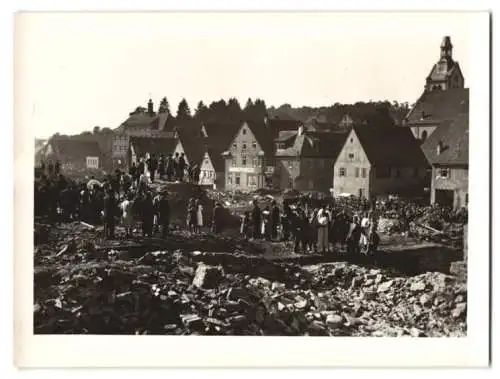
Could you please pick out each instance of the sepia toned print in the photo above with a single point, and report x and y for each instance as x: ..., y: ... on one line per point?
x: 233, y: 216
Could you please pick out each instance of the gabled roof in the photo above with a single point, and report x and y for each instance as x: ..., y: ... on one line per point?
x: 390, y: 146
x: 220, y: 135
x: 454, y: 137
x: 278, y: 125
x: 156, y: 146
x: 286, y: 135
x: 194, y: 145
x: 217, y: 159
x: 74, y: 149
x: 440, y: 105
x: 315, y: 145
x: 263, y: 135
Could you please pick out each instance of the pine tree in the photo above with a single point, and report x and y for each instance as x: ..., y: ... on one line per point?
x: 183, y: 111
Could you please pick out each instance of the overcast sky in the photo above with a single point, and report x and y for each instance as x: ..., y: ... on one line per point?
x: 74, y: 71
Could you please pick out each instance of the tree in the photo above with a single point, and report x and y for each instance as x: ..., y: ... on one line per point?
x: 249, y: 105
x: 106, y: 130
x: 96, y: 129
x: 201, y: 111
x: 164, y: 106
x: 183, y: 111
x: 233, y: 111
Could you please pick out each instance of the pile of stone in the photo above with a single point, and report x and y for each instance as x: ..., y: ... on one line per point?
x: 189, y: 293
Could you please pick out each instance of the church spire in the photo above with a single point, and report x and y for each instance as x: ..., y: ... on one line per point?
x: 446, y: 48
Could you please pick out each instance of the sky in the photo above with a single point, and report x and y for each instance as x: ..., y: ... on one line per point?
x: 74, y: 71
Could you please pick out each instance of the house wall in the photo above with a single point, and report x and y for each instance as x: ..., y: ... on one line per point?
x: 410, y: 179
x: 249, y: 172
x: 351, y: 157
x: 207, y: 171
x: 287, y: 171
x: 457, y: 181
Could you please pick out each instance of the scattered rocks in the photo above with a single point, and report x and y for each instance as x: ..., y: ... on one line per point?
x: 207, y: 276
x: 417, y: 286
x: 334, y: 320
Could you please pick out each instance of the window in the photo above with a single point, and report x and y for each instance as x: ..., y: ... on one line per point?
x: 356, y: 172
x: 244, y: 131
x: 342, y: 171
x: 237, y: 179
x: 233, y: 162
x: 255, y: 162
x: 444, y: 173
x: 234, y: 146
x: 243, y: 160
x: 351, y: 156
x: 352, y: 140
x: 254, y: 145
x: 230, y: 179
x: 251, y: 180
x: 424, y: 135
x: 290, y: 182
x: 244, y: 146
x: 363, y: 172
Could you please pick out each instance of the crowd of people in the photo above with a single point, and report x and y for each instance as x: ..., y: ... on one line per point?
x: 315, y: 229
x: 170, y: 168
x: 312, y: 225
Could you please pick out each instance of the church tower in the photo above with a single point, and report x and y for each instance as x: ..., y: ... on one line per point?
x: 446, y: 73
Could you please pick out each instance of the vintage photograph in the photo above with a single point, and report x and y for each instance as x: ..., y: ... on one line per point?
x: 314, y: 183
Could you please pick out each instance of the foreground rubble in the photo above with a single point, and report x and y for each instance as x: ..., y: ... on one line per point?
x: 110, y: 291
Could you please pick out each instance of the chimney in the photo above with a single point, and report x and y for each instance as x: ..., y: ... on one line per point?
x: 150, y: 107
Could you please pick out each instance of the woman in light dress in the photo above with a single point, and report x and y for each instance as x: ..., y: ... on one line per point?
x: 127, y: 217
x: 199, y: 216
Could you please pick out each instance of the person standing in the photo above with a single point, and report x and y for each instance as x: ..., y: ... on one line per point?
x: 322, y: 221
x: 109, y: 213
x: 148, y: 215
x: 170, y: 167
x: 127, y: 218
x: 161, y: 167
x: 199, y: 215
x: 191, y: 215
x: 181, y: 166
x: 354, y: 236
x: 153, y: 165
x: 164, y: 214
x: 275, y: 220
x: 256, y: 220
x: 218, y: 218
x: 244, y: 227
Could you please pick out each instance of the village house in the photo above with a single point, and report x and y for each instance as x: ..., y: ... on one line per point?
x: 73, y: 153
x: 249, y: 159
x: 447, y: 149
x: 379, y: 160
x: 443, y: 99
x: 305, y: 159
x: 216, y: 138
x: 140, y: 123
x: 141, y: 147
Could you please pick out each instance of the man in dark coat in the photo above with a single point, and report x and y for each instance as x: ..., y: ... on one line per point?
x: 180, y: 167
x: 170, y: 167
x: 218, y: 218
x: 275, y: 220
x: 161, y: 167
x: 153, y: 165
x: 110, y: 212
x: 256, y: 220
x: 163, y: 211
x: 57, y: 167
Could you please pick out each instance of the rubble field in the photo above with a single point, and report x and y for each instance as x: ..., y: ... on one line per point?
x: 211, y: 285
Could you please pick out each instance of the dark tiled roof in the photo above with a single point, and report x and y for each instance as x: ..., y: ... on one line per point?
x: 454, y: 137
x: 440, y: 105
x: 278, y: 125
x: 220, y: 135
x: 391, y: 146
x: 156, y: 146
x: 75, y: 149
x: 216, y: 158
x: 263, y: 135
x: 193, y: 144
x: 316, y: 145
x: 438, y: 75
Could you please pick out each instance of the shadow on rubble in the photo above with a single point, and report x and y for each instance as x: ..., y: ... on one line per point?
x: 405, y: 260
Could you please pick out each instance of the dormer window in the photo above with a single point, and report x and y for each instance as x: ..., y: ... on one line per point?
x: 244, y: 131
